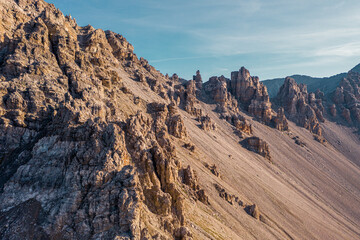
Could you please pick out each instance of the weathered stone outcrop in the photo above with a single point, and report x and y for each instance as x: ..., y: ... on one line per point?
x: 206, y: 123
x: 168, y: 119
x: 298, y: 141
x: 213, y: 168
x: 246, y: 88
x: 280, y: 121
x: 217, y: 88
x: 262, y: 110
x: 251, y: 94
x: 333, y: 110
x: 191, y: 147
x: 241, y: 125
x: 254, y: 211
x: 190, y: 179
x: 190, y: 99
x: 198, y: 80
x: 243, y: 91
x: 299, y: 106
x: 251, y: 209
x: 346, y: 115
x: 77, y: 159
x: 159, y: 171
x: 257, y: 145
x: 347, y: 98
x: 230, y: 198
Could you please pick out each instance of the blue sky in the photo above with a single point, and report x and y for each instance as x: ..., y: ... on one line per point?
x: 271, y: 38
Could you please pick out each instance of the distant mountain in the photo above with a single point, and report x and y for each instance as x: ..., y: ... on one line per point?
x: 356, y: 69
x: 326, y: 84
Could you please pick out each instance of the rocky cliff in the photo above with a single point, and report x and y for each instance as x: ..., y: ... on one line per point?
x: 76, y: 142
x: 347, y: 98
x: 245, y: 92
x: 303, y: 108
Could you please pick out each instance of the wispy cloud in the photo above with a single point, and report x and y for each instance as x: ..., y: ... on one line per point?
x: 270, y: 37
x: 342, y: 50
x: 179, y: 58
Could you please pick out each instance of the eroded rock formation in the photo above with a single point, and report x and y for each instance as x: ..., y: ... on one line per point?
x: 216, y: 87
x: 77, y: 154
x: 246, y: 88
x: 251, y: 209
x: 241, y: 125
x: 243, y: 91
x: 280, y: 121
x: 251, y: 94
x: 198, y: 80
x: 257, y: 145
x: 206, y: 123
x: 347, y: 98
x: 213, y: 168
x: 303, y: 108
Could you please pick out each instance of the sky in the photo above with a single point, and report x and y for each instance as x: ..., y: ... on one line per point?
x: 272, y: 39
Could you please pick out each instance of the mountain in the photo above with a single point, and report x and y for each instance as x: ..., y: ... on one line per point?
x: 95, y: 143
x: 356, y: 69
x: 326, y: 84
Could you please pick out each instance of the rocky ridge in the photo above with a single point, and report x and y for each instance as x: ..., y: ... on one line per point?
x: 246, y: 92
x: 347, y: 98
x: 95, y: 160
x: 301, y: 107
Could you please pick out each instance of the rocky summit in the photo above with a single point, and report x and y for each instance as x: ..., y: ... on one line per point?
x: 347, y: 98
x: 95, y: 143
x: 301, y: 107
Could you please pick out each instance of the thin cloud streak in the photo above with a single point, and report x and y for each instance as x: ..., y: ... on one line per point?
x: 179, y: 58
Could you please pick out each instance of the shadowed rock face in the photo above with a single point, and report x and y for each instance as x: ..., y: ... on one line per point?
x: 198, y: 79
x: 347, y: 97
x: 257, y: 145
x: 24, y: 220
x: 303, y: 108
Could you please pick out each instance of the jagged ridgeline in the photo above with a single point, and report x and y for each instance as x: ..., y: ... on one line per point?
x: 95, y: 143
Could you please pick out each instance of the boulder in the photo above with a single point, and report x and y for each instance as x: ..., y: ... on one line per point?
x: 258, y: 146
x: 254, y: 211
x: 280, y: 121
x: 206, y: 123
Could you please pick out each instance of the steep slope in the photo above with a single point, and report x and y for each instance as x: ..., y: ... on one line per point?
x: 97, y: 144
x: 326, y: 84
